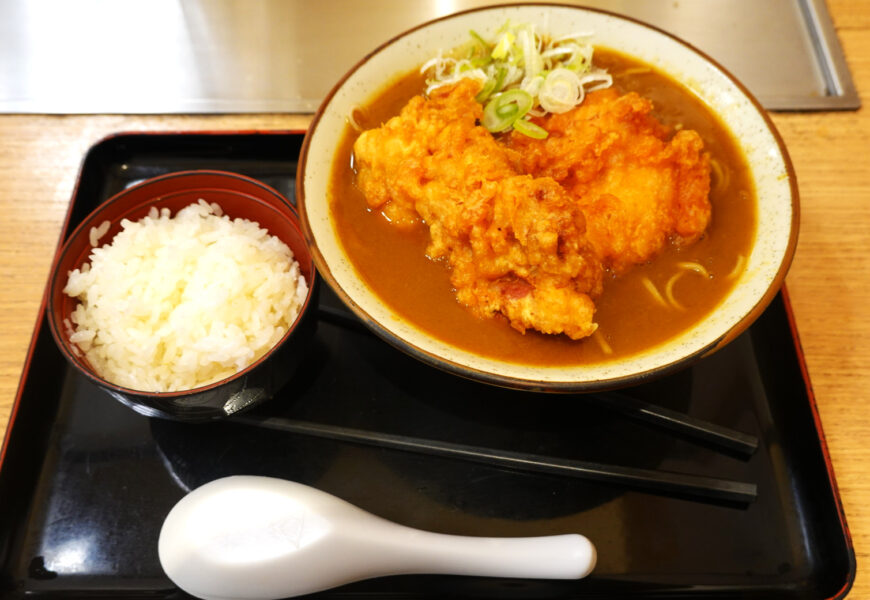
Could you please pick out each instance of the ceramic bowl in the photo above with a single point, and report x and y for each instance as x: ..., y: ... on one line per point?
x: 238, y: 196
x: 771, y: 173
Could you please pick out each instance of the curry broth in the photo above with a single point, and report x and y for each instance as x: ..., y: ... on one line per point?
x: 394, y: 263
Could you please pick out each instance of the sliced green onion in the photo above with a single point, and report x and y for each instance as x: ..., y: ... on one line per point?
x: 503, y: 46
x: 533, y: 86
x: 530, y: 129
x: 582, y: 60
x: 492, y: 122
x: 486, y: 91
x: 506, y: 110
x: 521, y: 98
x: 480, y: 61
x: 500, y: 75
x: 480, y: 41
x: 502, y: 111
x: 492, y: 85
x: 532, y: 61
x: 561, y: 91
x: 495, y: 123
x: 553, y: 74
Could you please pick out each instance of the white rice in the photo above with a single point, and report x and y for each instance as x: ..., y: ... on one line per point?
x: 174, y: 303
x: 97, y: 232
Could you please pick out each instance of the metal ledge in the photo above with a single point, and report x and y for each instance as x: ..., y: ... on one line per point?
x: 232, y: 56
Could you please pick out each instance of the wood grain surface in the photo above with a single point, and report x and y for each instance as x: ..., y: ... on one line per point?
x: 829, y: 281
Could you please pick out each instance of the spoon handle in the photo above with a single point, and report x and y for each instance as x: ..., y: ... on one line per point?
x: 567, y: 556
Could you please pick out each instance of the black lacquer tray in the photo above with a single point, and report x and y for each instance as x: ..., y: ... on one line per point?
x: 85, y: 482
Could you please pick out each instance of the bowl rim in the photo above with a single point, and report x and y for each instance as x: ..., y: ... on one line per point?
x: 91, y: 219
x: 516, y: 382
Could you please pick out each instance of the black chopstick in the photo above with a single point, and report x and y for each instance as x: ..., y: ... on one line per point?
x: 691, y: 427
x: 647, y: 479
x: 713, y: 435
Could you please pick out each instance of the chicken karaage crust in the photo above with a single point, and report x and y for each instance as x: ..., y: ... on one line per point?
x: 528, y: 226
x: 515, y: 243
x: 638, y: 186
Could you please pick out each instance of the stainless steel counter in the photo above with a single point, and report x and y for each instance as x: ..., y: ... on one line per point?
x: 229, y: 56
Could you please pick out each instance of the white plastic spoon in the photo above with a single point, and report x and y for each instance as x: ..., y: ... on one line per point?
x: 258, y: 538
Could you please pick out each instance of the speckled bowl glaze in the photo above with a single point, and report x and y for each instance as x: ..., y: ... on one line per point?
x: 771, y: 172
x: 239, y: 197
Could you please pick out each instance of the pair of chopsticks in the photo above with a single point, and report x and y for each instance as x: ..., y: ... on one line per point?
x: 706, y: 488
x: 695, y: 486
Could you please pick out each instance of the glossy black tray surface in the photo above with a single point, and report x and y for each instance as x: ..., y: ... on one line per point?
x: 85, y: 482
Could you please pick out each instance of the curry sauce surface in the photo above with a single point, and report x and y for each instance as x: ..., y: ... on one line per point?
x: 394, y: 262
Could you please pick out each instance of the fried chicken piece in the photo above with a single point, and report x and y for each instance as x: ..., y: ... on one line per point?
x: 638, y: 187
x: 515, y: 244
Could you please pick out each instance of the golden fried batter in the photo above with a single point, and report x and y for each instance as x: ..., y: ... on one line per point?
x: 515, y: 243
x: 638, y: 189
x: 528, y: 226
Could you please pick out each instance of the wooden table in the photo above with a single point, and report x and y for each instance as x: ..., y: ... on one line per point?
x: 829, y: 282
